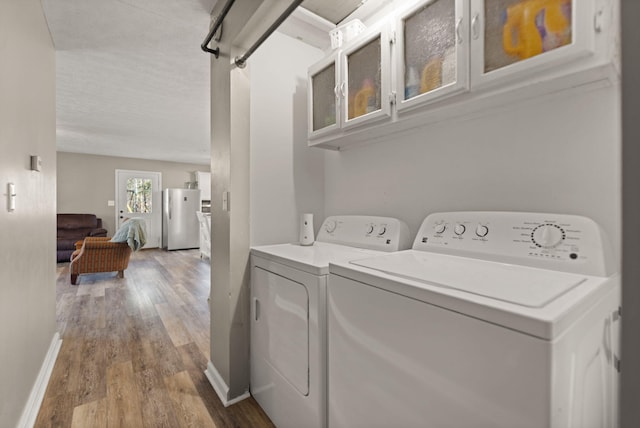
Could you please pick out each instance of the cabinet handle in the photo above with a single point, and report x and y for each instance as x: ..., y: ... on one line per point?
x: 474, y: 26
x: 342, y: 85
x: 335, y: 91
x: 458, y: 30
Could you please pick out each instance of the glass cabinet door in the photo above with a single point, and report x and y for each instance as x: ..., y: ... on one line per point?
x: 366, y: 74
x: 517, y: 37
x: 433, y: 48
x: 323, y: 97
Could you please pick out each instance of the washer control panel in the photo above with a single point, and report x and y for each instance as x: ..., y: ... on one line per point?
x: 553, y: 241
x: 374, y: 233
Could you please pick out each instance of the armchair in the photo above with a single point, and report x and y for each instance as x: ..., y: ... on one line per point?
x: 99, y: 254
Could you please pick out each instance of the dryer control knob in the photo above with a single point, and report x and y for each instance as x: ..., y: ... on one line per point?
x: 482, y: 230
x: 440, y: 227
x: 330, y: 226
x: 370, y: 229
x: 382, y: 230
x: 459, y: 229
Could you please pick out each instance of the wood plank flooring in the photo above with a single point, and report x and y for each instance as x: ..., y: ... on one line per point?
x: 135, y: 349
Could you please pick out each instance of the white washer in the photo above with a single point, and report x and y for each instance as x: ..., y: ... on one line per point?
x: 491, y: 320
x: 288, y: 313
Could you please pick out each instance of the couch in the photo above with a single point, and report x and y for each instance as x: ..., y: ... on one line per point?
x: 73, y: 228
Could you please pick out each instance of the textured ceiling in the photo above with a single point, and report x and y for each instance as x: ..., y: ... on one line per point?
x: 131, y: 78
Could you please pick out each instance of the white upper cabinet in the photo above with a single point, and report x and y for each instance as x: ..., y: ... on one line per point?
x: 432, y: 52
x: 365, y: 88
x: 351, y: 87
x: 430, y: 60
x: 517, y: 39
x: 323, y: 98
x: 204, y: 184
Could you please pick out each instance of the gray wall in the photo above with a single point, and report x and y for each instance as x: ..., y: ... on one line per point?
x: 87, y: 182
x: 630, y: 214
x: 27, y: 244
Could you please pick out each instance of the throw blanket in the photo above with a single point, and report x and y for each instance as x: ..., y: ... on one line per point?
x: 133, y: 231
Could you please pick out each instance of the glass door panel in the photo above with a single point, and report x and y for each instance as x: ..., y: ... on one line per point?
x: 515, y: 30
x: 513, y: 40
x: 429, y: 48
x: 434, y: 47
x: 323, y: 86
x: 364, y: 81
x: 139, y: 195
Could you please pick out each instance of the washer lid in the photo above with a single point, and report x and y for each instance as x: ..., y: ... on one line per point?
x: 524, y: 286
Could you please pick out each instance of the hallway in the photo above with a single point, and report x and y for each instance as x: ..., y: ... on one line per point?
x: 134, y: 350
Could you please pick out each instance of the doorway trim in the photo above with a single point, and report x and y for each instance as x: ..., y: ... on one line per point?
x: 156, y: 195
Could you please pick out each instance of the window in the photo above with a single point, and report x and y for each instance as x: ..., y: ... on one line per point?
x: 139, y: 191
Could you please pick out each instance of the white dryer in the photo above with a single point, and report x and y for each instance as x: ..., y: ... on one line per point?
x: 493, y: 319
x: 288, y: 313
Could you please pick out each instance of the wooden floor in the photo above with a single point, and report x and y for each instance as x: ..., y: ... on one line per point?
x: 134, y: 350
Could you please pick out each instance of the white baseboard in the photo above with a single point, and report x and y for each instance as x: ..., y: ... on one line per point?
x: 31, y: 409
x: 220, y: 386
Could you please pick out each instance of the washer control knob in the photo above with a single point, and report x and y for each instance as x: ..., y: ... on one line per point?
x: 330, y: 226
x: 482, y: 230
x: 440, y: 227
x: 369, y: 229
x: 459, y: 229
x: 382, y: 230
x: 547, y: 235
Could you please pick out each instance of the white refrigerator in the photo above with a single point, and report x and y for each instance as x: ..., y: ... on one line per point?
x: 180, y: 226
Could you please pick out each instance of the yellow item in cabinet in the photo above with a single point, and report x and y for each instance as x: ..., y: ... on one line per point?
x: 365, y: 100
x: 535, y: 26
x: 431, y: 75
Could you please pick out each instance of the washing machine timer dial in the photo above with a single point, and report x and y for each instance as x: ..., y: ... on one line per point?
x: 548, y: 235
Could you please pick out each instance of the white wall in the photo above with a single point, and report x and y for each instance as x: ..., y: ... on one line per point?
x: 27, y: 235
x: 557, y: 154
x: 287, y: 177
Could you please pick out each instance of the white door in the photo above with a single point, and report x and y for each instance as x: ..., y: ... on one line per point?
x: 138, y: 194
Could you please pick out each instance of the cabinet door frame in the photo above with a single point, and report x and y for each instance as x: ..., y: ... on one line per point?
x: 314, y: 70
x: 582, y: 45
x: 381, y: 31
x: 461, y: 82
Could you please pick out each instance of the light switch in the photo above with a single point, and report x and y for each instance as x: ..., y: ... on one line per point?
x: 111, y: 203
x: 36, y: 163
x: 11, y: 197
x: 225, y: 201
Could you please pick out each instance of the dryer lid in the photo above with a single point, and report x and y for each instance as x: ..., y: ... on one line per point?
x: 521, y: 285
